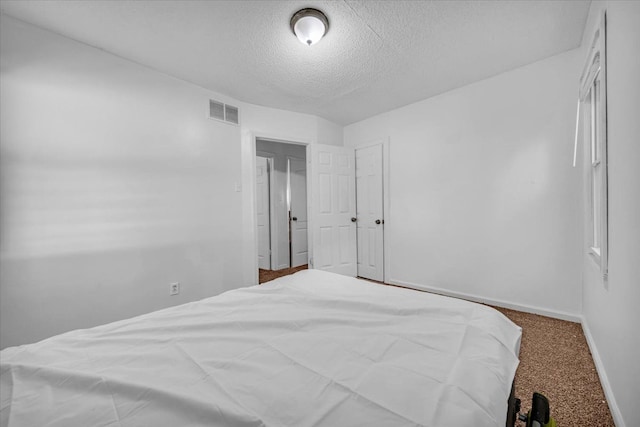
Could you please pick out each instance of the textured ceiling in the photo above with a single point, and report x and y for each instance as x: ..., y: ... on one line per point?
x: 377, y: 55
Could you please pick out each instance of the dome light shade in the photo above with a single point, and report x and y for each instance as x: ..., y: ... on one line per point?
x: 309, y: 25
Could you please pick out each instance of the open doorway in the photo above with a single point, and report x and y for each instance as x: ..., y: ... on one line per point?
x: 281, y: 185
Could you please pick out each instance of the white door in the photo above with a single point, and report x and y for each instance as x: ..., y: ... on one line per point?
x: 369, y: 202
x: 262, y: 204
x: 334, y: 209
x: 298, y: 211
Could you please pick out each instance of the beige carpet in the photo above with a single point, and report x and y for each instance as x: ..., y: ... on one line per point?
x: 554, y: 360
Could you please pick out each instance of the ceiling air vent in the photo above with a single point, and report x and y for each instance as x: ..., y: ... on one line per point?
x: 224, y: 112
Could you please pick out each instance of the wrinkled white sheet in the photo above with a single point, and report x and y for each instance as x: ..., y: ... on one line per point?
x: 313, y: 349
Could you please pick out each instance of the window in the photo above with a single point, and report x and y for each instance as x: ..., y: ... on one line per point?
x: 593, y: 96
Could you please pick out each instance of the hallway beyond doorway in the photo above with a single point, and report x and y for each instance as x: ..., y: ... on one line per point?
x: 267, y: 275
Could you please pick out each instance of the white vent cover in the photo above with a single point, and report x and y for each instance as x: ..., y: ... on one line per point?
x: 224, y: 112
x: 216, y: 110
x: 231, y: 114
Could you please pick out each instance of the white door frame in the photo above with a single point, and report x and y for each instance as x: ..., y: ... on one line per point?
x: 250, y: 181
x: 388, y: 222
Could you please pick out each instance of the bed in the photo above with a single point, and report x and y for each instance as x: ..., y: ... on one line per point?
x: 311, y: 349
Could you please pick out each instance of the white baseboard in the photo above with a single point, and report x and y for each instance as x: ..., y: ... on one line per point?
x: 556, y: 314
x: 602, y: 374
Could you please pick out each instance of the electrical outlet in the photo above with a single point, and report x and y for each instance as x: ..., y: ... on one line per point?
x: 174, y: 288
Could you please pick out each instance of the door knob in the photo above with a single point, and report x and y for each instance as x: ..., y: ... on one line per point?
x: 353, y: 219
x: 378, y: 221
x: 295, y: 218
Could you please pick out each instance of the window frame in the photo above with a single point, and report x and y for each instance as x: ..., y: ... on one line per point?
x: 593, y: 103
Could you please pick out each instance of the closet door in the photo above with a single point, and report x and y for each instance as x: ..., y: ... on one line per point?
x: 369, y: 202
x: 333, y: 209
x: 298, y: 211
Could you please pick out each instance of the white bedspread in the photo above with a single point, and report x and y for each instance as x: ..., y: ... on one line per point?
x: 313, y: 349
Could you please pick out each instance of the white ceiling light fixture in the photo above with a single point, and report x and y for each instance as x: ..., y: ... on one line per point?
x: 309, y: 25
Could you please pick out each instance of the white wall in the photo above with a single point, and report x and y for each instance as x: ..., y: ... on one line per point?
x: 280, y: 222
x: 611, y: 315
x: 114, y: 183
x: 329, y: 133
x: 484, y: 202
x: 272, y: 123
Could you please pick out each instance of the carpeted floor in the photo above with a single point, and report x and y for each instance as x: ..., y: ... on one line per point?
x: 554, y: 360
